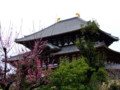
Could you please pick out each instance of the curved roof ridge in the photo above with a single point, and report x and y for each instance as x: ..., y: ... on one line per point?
x: 60, y: 27
x: 55, y: 24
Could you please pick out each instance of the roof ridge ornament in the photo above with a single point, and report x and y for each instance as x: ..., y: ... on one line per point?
x: 58, y: 19
x: 77, y: 15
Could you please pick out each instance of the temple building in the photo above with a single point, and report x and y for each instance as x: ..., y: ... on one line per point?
x: 61, y: 38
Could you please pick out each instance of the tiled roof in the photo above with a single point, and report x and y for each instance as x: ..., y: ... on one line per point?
x: 72, y: 49
x: 67, y: 50
x: 60, y: 27
x: 63, y: 50
x: 112, y: 66
x: 64, y: 26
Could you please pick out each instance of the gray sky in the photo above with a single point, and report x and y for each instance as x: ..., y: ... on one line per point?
x: 38, y: 14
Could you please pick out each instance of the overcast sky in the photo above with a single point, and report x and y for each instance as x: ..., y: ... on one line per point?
x: 37, y: 14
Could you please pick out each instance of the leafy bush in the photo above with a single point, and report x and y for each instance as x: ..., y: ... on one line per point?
x: 97, y: 78
x: 71, y: 76
x: 76, y: 76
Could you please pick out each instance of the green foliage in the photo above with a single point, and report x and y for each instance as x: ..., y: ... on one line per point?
x: 88, y: 50
x: 71, y: 76
x: 87, y: 45
x: 97, y: 78
x: 69, y: 73
x: 75, y: 76
x: 95, y: 59
x: 90, y: 31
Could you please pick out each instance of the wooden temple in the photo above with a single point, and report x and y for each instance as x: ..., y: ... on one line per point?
x: 61, y: 38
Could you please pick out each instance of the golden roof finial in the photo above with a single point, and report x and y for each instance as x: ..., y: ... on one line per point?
x: 58, y: 19
x: 77, y: 15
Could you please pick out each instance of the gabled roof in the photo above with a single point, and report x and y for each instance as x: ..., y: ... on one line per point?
x: 60, y: 27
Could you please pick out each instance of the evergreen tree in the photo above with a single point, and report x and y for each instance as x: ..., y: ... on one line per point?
x: 95, y: 59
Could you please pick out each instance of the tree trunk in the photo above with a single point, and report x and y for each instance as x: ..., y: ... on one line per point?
x: 5, y: 67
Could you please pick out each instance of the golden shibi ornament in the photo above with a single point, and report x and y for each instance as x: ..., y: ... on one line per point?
x: 77, y: 14
x: 58, y: 19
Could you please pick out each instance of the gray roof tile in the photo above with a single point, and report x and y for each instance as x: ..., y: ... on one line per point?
x: 60, y: 27
x: 112, y: 66
x: 63, y: 50
x: 67, y: 50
